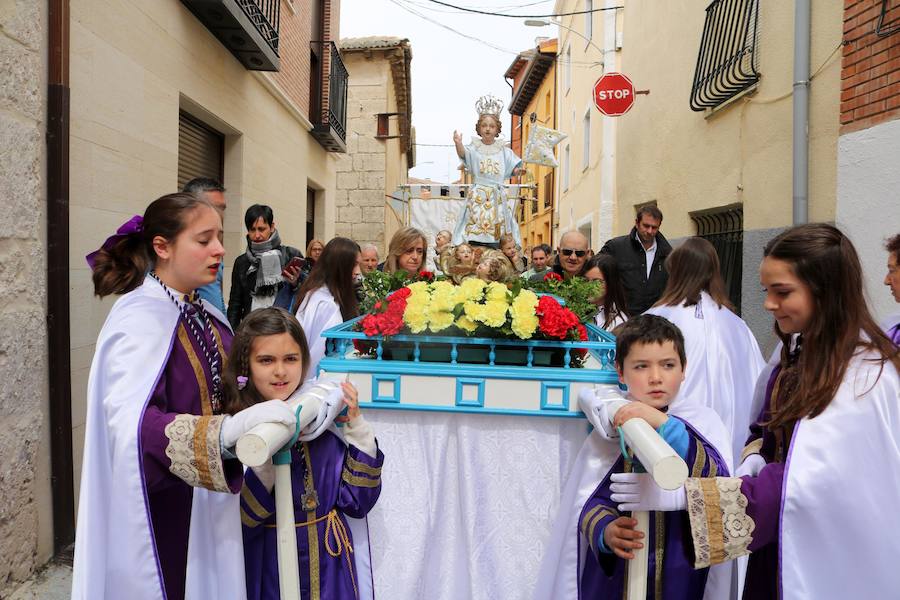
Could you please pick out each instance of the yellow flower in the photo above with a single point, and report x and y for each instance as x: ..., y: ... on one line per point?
x: 443, y: 296
x: 522, y: 311
x: 416, y: 315
x: 419, y: 287
x: 474, y: 311
x: 471, y: 289
x: 494, y: 313
x: 440, y: 321
x: 466, y: 324
x: 495, y: 291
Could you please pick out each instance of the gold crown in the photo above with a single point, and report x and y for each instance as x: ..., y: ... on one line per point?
x: 489, y: 105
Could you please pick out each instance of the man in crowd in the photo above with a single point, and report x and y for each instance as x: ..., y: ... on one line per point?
x: 260, y: 272
x: 571, y: 256
x: 368, y: 258
x: 641, y: 256
x: 540, y: 254
x: 211, y: 190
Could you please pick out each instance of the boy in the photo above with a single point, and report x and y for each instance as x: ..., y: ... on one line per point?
x: 650, y: 361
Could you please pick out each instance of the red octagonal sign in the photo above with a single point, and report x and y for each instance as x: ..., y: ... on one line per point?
x: 613, y: 94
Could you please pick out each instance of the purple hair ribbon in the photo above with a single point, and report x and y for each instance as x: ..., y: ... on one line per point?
x: 134, y: 225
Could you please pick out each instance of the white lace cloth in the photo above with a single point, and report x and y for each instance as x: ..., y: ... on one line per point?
x: 467, y: 502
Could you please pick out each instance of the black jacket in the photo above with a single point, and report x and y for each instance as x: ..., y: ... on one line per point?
x: 640, y: 292
x: 239, y: 300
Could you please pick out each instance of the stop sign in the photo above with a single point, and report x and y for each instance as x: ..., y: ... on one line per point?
x: 613, y: 94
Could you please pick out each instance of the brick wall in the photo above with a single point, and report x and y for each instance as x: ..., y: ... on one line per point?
x: 870, y: 66
x: 293, y: 51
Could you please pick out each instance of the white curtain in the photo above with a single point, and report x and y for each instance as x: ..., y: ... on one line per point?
x: 467, y: 502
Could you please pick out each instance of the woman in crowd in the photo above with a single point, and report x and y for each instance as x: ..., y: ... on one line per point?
x: 407, y: 251
x: 612, y: 313
x: 327, y: 297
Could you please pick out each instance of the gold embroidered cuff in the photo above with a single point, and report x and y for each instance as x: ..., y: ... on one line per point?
x: 362, y: 467
x: 195, y: 453
x: 720, y: 527
x: 752, y: 448
x: 592, y: 518
x: 359, y: 480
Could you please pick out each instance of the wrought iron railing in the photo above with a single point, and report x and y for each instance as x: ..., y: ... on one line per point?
x: 266, y: 16
x: 724, y: 229
x: 328, y: 111
x: 727, y: 63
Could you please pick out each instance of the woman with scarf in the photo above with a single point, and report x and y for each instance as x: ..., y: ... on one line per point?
x: 258, y: 274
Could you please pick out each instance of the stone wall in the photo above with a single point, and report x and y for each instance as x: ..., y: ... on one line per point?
x: 24, y: 484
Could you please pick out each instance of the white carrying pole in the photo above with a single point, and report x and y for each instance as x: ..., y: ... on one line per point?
x: 286, y: 532
x: 668, y: 470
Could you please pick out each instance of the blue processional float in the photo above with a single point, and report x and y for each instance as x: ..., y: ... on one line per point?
x: 473, y: 390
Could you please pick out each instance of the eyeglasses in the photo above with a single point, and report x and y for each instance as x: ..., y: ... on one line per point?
x: 570, y: 252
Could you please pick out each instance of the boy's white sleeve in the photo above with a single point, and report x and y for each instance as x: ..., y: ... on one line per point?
x: 359, y: 433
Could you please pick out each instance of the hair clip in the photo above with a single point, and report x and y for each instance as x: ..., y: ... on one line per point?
x: 242, y: 382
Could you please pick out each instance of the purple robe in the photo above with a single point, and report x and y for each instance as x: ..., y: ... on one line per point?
x: 184, y: 388
x: 347, y: 482
x: 894, y: 334
x: 671, y: 575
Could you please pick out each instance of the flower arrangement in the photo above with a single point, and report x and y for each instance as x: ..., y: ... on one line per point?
x: 578, y: 292
x: 377, y: 285
x: 473, y: 308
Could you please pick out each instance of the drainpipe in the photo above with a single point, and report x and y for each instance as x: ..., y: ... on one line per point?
x: 801, y: 111
x: 58, y: 359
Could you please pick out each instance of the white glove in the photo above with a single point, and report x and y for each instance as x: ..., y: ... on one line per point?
x: 272, y: 411
x: 331, y: 398
x: 599, y: 405
x: 752, y: 465
x: 638, y: 491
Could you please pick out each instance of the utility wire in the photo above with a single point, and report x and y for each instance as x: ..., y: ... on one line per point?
x: 496, y: 14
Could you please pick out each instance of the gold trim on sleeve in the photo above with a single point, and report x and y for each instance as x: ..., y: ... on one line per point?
x: 720, y: 526
x: 752, y: 448
x: 194, y: 453
x: 199, y: 375
x: 359, y: 480
x: 699, y: 459
x: 362, y: 467
x: 253, y: 503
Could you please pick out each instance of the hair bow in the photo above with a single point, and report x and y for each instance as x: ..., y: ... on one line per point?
x: 131, y: 227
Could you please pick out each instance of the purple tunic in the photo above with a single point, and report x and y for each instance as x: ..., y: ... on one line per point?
x: 671, y: 575
x: 347, y: 482
x: 894, y: 334
x: 183, y: 388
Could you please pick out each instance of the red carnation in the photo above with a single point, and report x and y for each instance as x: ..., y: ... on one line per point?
x: 553, y: 276
x: 427, y: 275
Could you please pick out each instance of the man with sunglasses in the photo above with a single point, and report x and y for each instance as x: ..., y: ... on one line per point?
x: 641, y: 256
x: 572, y: 254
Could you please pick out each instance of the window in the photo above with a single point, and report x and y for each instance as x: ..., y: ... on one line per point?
x: 567, y: 73
x: 548, y: 106
x: 727, y: 63
x: 548, y: 190
x: 588, y: 20
x: 310, y: 214
x: 566, y: 160
x: 201, y: 150
x: 723, y: 227
x: 586, y: 144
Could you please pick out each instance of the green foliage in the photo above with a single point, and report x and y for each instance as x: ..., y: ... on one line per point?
x: 578, y: 293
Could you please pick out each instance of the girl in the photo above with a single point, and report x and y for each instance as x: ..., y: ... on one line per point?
x: 510, y: 250
x: 157, y: 515
x: 332, y: 478
x: 722, y: 351
x: 328, y: 296
x: 819, y: 475
x: 487, y: 214
x: 612, y: 313
x: 407, y: 251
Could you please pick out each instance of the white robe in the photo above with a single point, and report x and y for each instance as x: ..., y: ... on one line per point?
x: 562, y: 562
x: 115, y: 555
x: 723, y: 364
x: 839, y: 522
x: 316, y: 313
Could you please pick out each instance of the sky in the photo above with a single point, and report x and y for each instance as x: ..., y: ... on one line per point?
x: 449, y: 72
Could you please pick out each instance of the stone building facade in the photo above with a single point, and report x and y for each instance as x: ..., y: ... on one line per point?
x: 379, y: 138
x: 26, y: 539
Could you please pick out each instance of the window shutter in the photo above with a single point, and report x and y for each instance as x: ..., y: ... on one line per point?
x: 200, y: 151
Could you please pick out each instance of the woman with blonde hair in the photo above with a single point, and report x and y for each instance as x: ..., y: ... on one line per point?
x: 313, y: 251
x: 407, y: 251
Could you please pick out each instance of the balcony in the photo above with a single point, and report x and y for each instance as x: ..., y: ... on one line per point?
x: 247, y: 28
x: 328, y: 97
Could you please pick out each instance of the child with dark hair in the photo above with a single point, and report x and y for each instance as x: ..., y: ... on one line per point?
x: 593, y: 538
x: 818, y: 482
x: 333, y: 479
